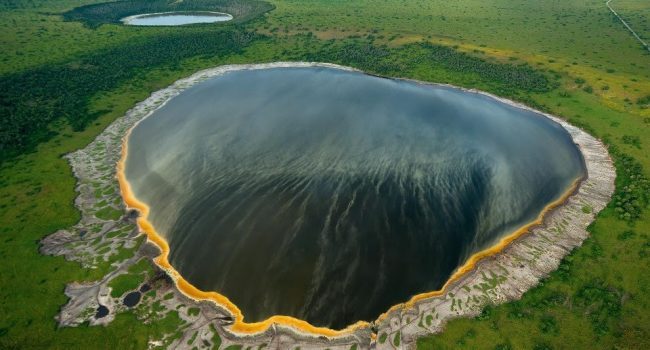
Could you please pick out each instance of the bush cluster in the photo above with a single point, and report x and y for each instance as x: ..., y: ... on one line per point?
x: 632, y: 187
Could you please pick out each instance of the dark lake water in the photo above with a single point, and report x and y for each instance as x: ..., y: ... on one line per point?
x: 331, y: 195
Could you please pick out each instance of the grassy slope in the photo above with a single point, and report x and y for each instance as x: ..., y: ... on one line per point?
x: 37, y: 189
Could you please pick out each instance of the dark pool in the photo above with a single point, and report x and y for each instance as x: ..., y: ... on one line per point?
x: 332, y: 195
x: 101, y: 312
x: 132, y: 299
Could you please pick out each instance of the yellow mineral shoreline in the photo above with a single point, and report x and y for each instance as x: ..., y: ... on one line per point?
x: 190, y: 290
x: 239, y: 325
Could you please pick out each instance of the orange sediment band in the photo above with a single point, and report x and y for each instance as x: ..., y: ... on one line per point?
x: 239, y: 325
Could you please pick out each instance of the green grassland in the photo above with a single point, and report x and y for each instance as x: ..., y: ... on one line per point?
x: 636, y: 13
x: 571, y: 58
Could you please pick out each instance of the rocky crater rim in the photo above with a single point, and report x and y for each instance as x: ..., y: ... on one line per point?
x: 575, y: 192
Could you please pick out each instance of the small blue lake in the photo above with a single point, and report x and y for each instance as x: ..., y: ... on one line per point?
x: 176, y: 18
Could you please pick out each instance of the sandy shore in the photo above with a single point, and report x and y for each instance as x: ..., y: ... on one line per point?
x: 498, y: 274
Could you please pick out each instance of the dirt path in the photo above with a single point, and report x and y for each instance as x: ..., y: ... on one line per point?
x: 627, y: 26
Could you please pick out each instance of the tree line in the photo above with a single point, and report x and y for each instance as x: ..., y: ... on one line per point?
x: 31, y: 100
x: 509, y: 79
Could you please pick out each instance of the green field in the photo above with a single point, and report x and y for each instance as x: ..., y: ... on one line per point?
x: 637, y: 14
x: 62, y: 82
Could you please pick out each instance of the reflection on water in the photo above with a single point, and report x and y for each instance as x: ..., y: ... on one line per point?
x: 331, y: 195
x: 176, y: 18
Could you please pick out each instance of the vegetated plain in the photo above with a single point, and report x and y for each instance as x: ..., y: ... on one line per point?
x: 636, y: 13
x: 62, y: 82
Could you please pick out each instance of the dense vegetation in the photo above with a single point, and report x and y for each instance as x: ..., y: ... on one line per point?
x: 111, y: 12
x: 568, y: 58
x: 31, y: 100
x: 385, y: 60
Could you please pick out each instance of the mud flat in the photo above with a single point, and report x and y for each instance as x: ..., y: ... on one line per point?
x: 502, y: 273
